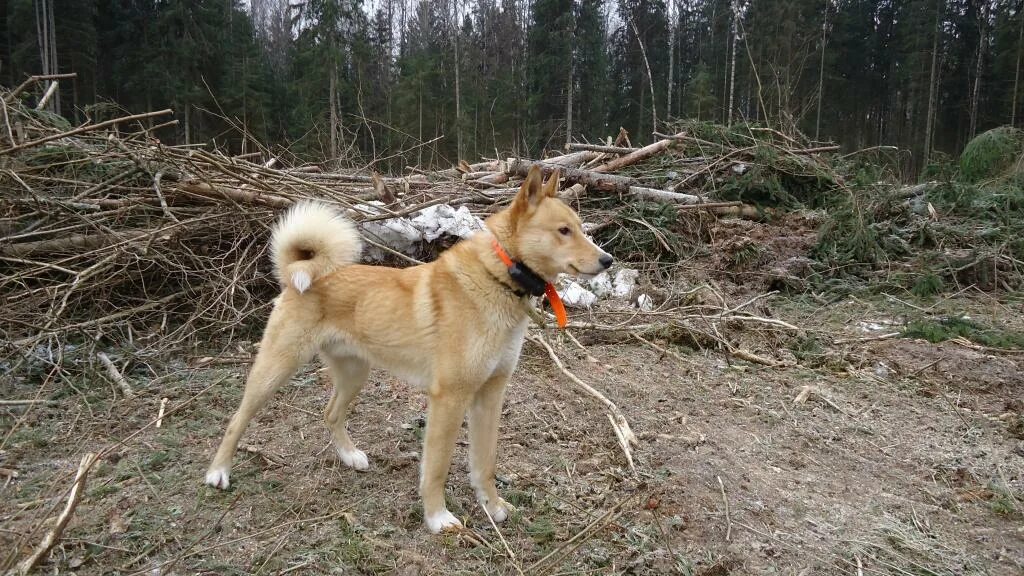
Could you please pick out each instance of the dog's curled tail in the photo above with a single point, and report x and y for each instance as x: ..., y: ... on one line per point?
x: 310, y: 241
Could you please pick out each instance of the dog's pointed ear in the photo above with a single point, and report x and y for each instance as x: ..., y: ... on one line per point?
x: 551, y: 186
x: 531, y: 191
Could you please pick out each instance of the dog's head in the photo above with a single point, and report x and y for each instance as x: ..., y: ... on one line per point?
x: 548, y: 235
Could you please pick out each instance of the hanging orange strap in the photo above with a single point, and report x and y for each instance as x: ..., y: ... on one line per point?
x: 549, y: 289
x: 556, y: 305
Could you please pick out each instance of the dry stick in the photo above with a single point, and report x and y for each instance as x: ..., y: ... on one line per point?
x: 47, y: 95
x: 710, y: 205
x: 25, y: 402
x: 623, y: 433
x: 83, y: 129
x: 115, y: 375
x: 160, y: 196
x: 32, y: 80
x: 54, y: 534
x: 728, y: 517
x: 573, y: 160
x: 867, y: 338
x: 160, y: 414
x: 751, y: 357
x: 511, y: 555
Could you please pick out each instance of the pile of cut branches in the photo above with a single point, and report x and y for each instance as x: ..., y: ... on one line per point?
x: 109, y: 235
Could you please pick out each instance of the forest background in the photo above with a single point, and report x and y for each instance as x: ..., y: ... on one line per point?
x: 398, y: 82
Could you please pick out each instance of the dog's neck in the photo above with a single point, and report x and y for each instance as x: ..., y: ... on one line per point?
x: 524, y: 280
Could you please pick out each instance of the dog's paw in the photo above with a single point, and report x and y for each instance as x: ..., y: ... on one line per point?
x: 498, y: 511
x: 218, y: 478
x: 441, y: 521
x: 354, y: 458
x: 301, y: 281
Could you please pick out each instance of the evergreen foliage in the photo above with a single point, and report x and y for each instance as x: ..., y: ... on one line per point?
x: 515, y: 76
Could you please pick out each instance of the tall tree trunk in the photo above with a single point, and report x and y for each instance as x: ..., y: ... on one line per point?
x: 650, y: 78
x: 671, y: 59
x: 732, y: 63
x: 1016, y: 71
x: 333, y: 104
x: 978, y: 64
x: 821, y: 70
x: 458, y: 93
x: 568, y: 99
x: 419, y: 149
x: 44, y: 36
x: 929, y: 124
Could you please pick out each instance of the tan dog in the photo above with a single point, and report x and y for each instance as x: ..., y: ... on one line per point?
x: 454, y: 326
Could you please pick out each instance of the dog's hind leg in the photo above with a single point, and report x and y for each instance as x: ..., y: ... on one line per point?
x: 349, y: 375
x: 484, y: 415
x: 275, y: 364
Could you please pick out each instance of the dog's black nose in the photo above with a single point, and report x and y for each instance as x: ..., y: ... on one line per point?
x: 606, y: 261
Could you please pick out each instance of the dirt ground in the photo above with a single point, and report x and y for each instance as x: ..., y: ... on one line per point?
x: 907, y: 458
x: 857, y: 454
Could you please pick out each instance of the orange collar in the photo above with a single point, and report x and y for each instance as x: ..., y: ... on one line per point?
x: 517, y: 270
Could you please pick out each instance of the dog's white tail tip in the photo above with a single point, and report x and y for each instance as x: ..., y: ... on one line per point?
x: 301, y: 281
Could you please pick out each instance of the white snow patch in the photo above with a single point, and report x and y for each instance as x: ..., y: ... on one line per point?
x: 625, y: 282
x: 601, y: 285
x: 645, y: 302
x: 576, y: 296
x: 406, y: 234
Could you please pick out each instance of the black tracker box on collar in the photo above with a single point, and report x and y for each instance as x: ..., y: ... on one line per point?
x: 530, y: 281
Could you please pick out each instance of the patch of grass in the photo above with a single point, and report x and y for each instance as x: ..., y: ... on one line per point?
x: 519, y: 498
x: 911, y: 548
x: 157, y: 460
x: 806, y: 348
x: 927, y: 284
x: 748, y: 254
x: 936, y: 331
x: 643, y: 231
x: 542, y: 530
x: 1003, y: 502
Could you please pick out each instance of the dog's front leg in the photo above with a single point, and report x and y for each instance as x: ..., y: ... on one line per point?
x: 446, y: 409
x: 484, y: 415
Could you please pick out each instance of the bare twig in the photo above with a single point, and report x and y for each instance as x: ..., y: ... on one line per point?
x: 728, y: 516
x: 53, y: 536
x: 623, y: 434
x: 115, y: 375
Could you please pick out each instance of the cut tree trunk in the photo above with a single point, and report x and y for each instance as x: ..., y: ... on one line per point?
x: 603, y: 182
x: 602, y: 149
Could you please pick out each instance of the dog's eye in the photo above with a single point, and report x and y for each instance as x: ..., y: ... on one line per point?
x: 564, y: 231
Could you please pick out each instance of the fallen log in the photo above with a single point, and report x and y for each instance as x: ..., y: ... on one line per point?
x: 599, y: 148
x: 637, y: 155
x: 573, y: 160
x: 243, y: 196
x: 589, y: 178
x: 665, y: 196
x: 74, y: 243
x: 603, y: 182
